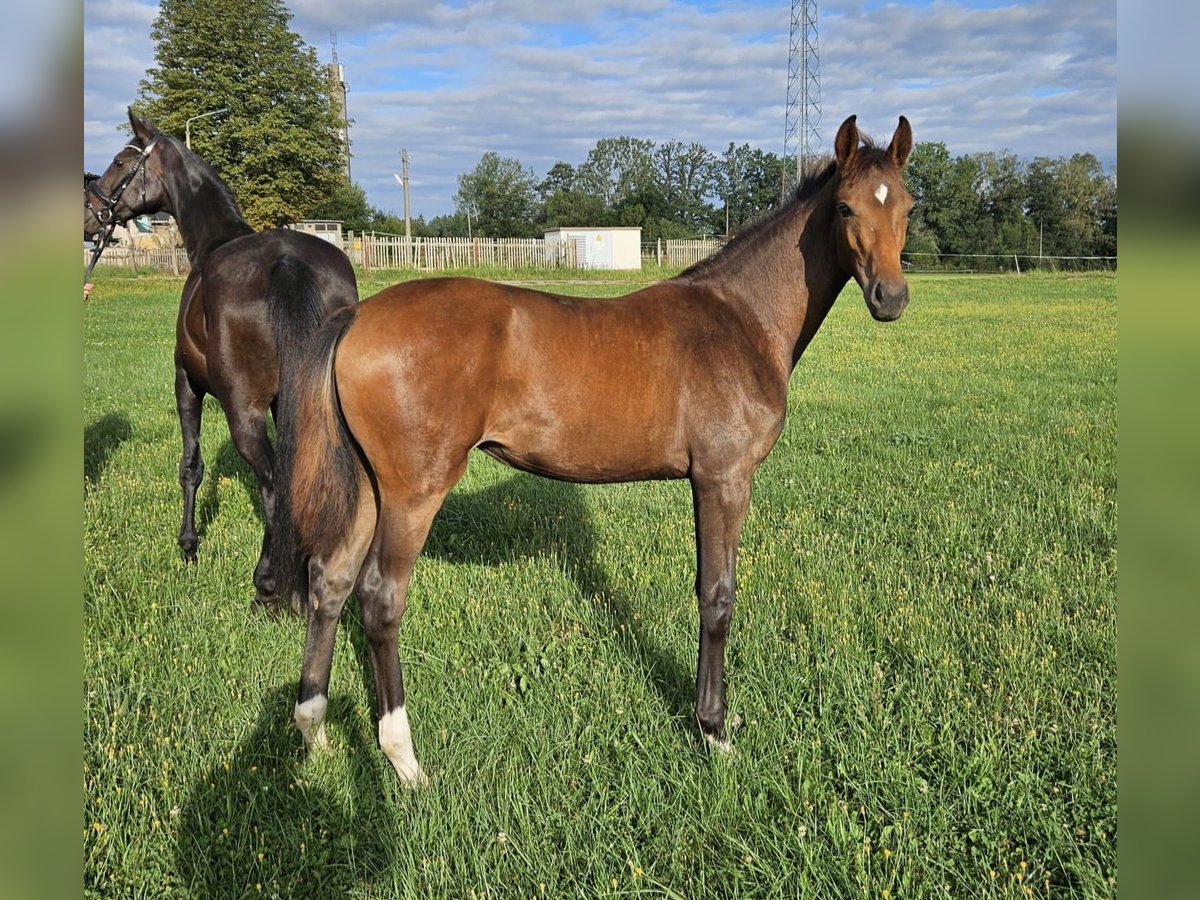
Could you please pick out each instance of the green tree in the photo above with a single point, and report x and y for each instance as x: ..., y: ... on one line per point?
x: 277, y: 146
x: 348, y: 204
x: 498, y: 194
x: 685, y: 175
x: 946, y: 202
x: 747, y: 180
x: 616, y: 170
x: 562, y: 201
x: 1001, y: 188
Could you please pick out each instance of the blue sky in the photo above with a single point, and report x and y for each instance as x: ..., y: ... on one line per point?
x: 543, y: 82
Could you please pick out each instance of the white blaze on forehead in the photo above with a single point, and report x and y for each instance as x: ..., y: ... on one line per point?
x: 881, y: 193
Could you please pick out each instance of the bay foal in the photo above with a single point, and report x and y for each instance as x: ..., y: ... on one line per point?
x: 687, y: 378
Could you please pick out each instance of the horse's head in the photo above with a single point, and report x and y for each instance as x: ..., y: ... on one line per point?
x: 871, y: 218
x: 131, y: 185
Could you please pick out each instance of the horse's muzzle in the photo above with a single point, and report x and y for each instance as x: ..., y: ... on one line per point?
x: 886, y: 298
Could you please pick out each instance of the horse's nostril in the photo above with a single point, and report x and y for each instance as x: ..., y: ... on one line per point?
x: 877, y: 294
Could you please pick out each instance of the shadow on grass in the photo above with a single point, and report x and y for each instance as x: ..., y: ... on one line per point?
x: 100, y: 441
x: 527, y: 516
x: 228, y: 464
x: 253, y: 825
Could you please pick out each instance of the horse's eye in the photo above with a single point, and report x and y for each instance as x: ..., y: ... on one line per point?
x: 118, y: 162
x: 844, y: 210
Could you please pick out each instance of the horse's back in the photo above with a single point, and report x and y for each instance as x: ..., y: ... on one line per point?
x: 241, y: 269
x: 583, y: 389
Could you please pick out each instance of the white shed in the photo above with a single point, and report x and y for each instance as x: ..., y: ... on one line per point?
x: 598, y: 248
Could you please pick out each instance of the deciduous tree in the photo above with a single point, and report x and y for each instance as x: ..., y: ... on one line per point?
x: 277, y: 146
x: 498, y: 194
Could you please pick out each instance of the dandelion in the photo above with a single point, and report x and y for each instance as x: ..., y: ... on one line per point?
x: 887, y: 854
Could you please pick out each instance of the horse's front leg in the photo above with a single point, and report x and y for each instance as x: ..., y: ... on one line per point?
x: 720, y: 506
x: 189, y: 401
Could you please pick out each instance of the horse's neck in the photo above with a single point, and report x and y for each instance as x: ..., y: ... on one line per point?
x: 203, y: 212
x: 786, y: 281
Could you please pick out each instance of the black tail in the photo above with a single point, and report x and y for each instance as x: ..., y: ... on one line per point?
x: 316, y: 466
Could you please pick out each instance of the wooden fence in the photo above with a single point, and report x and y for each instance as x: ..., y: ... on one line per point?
x: 429, y: 254
x: 682, y: 252
x: 392, y: 251
x: 171, y: 259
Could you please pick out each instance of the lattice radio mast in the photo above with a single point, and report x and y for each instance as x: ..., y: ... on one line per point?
x: 802, y: 114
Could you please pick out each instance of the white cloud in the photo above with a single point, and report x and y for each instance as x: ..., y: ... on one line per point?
x: 543, y: 81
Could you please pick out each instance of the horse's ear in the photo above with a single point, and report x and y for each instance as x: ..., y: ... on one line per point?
x: 901, y: 144
x: 142, y: 129
x: 845, y: 145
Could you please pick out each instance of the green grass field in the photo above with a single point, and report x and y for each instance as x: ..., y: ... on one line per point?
x: 923, y: 651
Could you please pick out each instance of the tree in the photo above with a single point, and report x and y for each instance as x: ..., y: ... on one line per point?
x: 348, y: 205
x: 747, y: 180
x: 616, y: 169
x: 277, y: 147
x: 563, y: 203
x: 498, y: 194
x: 685, y: 178
x: 946, y: 203
x: 1001, y: 190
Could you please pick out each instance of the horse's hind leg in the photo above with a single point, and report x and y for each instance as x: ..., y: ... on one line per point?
x: 189, y: 401
x: 330, y: 578
x: 382, y: 594
x: 248, y: 428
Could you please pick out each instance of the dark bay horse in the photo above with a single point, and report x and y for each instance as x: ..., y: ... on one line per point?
x: 224, y: 344
x: 687, y: 378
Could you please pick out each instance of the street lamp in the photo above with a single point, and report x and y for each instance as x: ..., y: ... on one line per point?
x: 187, y: 126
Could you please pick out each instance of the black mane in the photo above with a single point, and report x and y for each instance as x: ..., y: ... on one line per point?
x: 222, y: 196
x: 811, y: 185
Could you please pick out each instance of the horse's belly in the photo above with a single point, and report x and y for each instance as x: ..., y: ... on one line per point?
x: 594, y: 456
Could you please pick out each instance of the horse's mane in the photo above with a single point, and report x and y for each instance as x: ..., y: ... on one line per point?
x: 868, y: 155
x: 764, y: 226
x: 222, y: 202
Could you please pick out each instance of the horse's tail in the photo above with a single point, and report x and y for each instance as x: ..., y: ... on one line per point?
x: 317, y: 470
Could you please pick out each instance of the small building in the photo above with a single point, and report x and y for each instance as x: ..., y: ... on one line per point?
x: 326, y: 229
x: 597, y: 248
x: 149, y: 232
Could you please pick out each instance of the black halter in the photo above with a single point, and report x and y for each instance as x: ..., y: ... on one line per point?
x: 106, y: 212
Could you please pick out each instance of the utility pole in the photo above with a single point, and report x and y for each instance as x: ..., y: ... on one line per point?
x: 404, y: 184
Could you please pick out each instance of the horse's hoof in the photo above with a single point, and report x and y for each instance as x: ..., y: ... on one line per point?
x: 411, y: 776
x: 270, y: 605
x: 188, y: 553
x: 722, y: 746
x: 722, y: 741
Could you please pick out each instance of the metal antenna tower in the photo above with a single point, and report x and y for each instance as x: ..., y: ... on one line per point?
x: 802, y: 114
